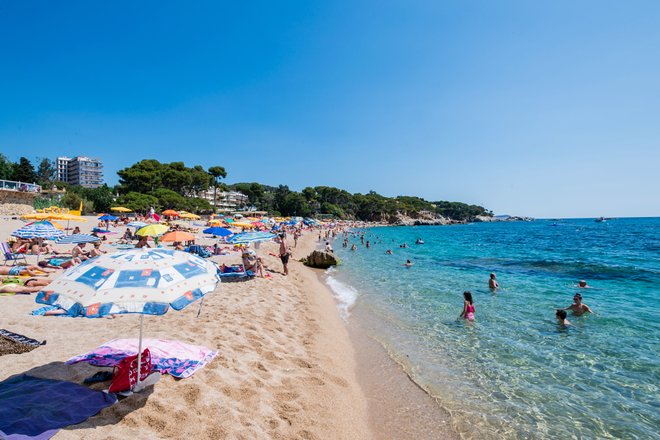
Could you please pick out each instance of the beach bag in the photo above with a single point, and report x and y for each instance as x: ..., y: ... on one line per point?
x: 125, y: 374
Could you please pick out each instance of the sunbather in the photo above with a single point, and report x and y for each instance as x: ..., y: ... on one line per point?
x: 21, y: 271
x: 253, y: 263
x: 28, y: 286
x: 59, y: 263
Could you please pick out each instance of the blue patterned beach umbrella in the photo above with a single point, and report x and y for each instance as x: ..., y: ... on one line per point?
x: 218, y: 231
x: 144, y: 281
x: 250, y: 237
x: 137, y: 224
x: 43, y: 230
x: 77, y: 238
x: 147, y: 281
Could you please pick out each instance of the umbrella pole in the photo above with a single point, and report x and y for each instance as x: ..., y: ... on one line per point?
x: 137, y: 384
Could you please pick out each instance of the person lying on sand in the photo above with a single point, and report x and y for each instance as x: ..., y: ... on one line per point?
x: 22, y: 271
x: 59, y: 263
x: 30, y: 285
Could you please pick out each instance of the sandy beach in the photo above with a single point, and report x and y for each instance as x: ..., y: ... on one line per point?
x: 285, y: 368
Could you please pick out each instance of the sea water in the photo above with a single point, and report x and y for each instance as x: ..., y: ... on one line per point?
x: 514, y: 372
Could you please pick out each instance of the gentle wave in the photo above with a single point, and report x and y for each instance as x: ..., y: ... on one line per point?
x: 346, y: 295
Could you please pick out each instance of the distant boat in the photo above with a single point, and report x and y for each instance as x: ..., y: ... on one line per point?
x: 600, y: 219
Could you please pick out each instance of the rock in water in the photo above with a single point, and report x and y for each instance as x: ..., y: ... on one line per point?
x: 320, y: 260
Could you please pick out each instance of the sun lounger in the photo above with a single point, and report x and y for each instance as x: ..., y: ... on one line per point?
x: 11, y: 256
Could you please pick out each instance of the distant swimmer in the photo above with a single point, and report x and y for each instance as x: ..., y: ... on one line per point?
x: 468, y: 306
x: 419, y: 241
x: 492, y: 282
x: 561, y: 317
x: 408, y: 263
x: 404, y: 245
x: 583, y: 285
x: 353, y: 248
x: 368, y: 244
x: 388, y: 252
x: 577, y: 307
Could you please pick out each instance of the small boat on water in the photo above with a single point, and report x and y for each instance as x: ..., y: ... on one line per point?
x: 600, y: 219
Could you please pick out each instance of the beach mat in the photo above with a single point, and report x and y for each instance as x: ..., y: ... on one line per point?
x: 172, y: 357
x: 13, y: 343
x: 36, y: 408
x: 20, y: 338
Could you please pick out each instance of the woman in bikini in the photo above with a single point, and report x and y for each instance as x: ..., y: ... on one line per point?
x: 468, y: 307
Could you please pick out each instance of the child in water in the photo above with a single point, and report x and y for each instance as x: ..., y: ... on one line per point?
x: 468, y: 307
x: 561, y: 317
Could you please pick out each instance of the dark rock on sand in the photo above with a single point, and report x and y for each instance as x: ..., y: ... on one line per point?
x: 320, y: 260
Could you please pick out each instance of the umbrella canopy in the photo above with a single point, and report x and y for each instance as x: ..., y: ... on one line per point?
x: 137, y: 224
x: 38, y: 230
x: 218, y: 232
x: 177, y: 236
x: 110, y: 217
x: 190, y: 216
x: 152, y: 230
x: 51, y: 222
x: 250, y: 237
x: 77, y: 238
x: 242, y: 225
x: 120, y: 209
x: 170, y: 212
x: 146, y: 281
x: 69, y: 217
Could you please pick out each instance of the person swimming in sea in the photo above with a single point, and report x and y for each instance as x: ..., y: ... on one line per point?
x: 582, y: 284
x: 408, y: 263
x: 353, y: 247
x: 492, y: 282
x: 578, y: 308
x: 468, y: 306
x: 561, y: 317
x: 388, y: 252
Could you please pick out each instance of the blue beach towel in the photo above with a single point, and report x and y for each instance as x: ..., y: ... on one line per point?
x: 36, y: 408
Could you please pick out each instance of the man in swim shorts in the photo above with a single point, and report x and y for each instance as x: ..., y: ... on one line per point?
x: 22, y: 271
x: 284, y: 254
x: 492, y: 282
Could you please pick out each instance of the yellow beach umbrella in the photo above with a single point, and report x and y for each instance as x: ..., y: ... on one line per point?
x: 38, y: 216
x: 120, y: 209
x: 242, y: 225
x: 152, y: 230
x: 68, y: 217
x: 190, y: 216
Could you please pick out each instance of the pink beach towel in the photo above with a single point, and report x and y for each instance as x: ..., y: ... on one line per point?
x: 172, y: 357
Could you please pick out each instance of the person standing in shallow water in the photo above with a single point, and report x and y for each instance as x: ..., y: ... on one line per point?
x: 577, y: 307
x: 492, y: 282
x: 468, y: 307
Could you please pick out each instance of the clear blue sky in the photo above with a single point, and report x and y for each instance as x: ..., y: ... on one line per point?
x: 546, y: 109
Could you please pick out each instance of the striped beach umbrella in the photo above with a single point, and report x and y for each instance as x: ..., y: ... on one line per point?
x: 143, y: 281
x: 43, y: 230
x: 77, y: 238
x: 137, y: 224
x: 250, y: 237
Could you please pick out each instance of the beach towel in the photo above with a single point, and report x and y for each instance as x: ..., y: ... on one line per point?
x: 172, y: 357
x: 20, y: 339
x: 36, y: 408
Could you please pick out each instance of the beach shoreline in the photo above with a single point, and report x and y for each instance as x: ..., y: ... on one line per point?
x: 285, y: 366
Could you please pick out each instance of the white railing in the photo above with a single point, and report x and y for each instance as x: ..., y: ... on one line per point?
x: 11, y: 185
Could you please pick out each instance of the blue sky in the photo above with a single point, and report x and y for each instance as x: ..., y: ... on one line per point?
x: 546, y: 109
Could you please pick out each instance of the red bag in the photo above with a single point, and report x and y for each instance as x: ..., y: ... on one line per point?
x: 124, y: 375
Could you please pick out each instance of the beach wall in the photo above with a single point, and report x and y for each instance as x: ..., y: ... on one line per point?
x: 16, y: 202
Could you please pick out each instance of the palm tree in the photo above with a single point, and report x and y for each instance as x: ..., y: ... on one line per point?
x: 217, y: 173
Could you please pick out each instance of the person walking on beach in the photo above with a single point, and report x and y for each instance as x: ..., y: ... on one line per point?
x: 468, y: 306
x: 284, y: 254
x: 577, y: 307
x: 492, y: 282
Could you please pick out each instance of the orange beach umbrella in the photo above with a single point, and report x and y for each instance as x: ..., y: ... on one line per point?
x: 178, y: 236
x: 171, y: 213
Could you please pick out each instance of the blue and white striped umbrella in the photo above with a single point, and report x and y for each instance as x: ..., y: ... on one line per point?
x: 77, y: 238
x: 137, y: 224
x: 43, y: 230
x: 250, y: 237
x: 146, y: 281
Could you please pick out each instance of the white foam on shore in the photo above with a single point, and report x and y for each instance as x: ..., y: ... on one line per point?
x: 346, y: 295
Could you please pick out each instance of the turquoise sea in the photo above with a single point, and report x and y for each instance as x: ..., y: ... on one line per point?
x: 514, y: 372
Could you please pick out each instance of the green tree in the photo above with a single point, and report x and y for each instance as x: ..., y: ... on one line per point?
x: 142, y: 177
x: 24, y: 171
x: 101, y: 198
x: 168, y: 199
x: 198, y: 206
x: 6, y: 168
x: 217, y: 173
x: 139, y: 202
x: 71, y: 200
x: 45, y: 172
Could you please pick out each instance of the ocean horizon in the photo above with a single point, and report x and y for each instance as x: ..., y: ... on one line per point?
x: 514, y: 372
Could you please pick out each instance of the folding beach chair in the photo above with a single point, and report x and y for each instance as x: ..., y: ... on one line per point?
x: 10, y: 256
